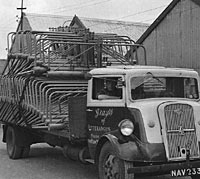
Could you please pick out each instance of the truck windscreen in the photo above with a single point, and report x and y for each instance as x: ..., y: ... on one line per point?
x: 160, y: 87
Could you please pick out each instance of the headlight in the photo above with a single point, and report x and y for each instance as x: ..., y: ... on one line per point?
x: 126, y: 127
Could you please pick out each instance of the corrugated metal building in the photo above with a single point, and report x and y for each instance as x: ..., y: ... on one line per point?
x: 173, y: 39
x: 44, y: 22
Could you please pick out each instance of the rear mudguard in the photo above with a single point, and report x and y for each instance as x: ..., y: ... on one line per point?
x: 133, y: 150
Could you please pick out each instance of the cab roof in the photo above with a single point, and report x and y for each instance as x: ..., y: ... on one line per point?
x: 138, y: 69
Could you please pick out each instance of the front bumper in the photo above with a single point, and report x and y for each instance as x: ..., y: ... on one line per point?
x: 164, y: 168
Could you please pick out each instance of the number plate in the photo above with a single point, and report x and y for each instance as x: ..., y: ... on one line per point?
x: 185, y: 172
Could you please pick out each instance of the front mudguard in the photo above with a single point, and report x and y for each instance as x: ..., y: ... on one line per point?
x: 133, y: 150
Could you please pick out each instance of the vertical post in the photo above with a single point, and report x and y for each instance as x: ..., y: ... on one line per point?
x: 22, y: 2
x: 21, y: 9
x: 21, y: 20
x: 99, y: 54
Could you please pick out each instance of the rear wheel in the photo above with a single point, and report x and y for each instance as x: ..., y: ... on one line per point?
x: 110, y: 166
x: 14, y: 151
x: 25, y: 152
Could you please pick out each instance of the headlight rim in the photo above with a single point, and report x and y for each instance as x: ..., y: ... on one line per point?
x: 124, y: 126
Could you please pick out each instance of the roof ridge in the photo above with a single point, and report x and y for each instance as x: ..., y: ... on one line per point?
x: 114, y: 21
x: 88, y: 18
x: 157, y: 21
x: 46, y: 15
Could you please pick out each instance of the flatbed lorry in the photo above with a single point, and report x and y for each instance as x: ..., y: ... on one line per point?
x: 51, y: 91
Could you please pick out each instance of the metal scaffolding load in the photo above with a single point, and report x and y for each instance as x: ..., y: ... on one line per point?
x: 45, y: 70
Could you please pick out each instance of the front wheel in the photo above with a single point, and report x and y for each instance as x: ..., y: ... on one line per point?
x: 110, y: 166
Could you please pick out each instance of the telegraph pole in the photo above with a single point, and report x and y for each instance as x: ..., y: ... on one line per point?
x: 22, y: 14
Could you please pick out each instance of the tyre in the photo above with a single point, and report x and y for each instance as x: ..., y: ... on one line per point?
x: 14, y: 151
x: 25, y: 152
x: 110, y: 166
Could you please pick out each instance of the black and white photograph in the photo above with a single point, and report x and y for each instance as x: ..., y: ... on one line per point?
x: 99, y: 89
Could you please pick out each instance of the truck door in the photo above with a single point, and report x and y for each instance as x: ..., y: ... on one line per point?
x: 105, y: 108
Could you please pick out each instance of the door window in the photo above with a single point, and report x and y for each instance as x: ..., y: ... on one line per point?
x: 107, y: 88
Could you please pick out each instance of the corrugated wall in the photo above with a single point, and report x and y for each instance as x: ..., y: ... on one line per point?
x: 175, y: 42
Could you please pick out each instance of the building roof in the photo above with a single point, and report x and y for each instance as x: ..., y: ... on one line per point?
x: 131, y: 29
x: 159, y: 20
x: 41, y: 22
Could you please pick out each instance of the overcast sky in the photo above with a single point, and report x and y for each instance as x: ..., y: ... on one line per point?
x: 126, y: 10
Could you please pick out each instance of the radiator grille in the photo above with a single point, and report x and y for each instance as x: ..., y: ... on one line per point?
x: 180, y: 130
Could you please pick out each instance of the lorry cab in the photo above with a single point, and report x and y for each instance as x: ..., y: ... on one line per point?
x: 154, y: 118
